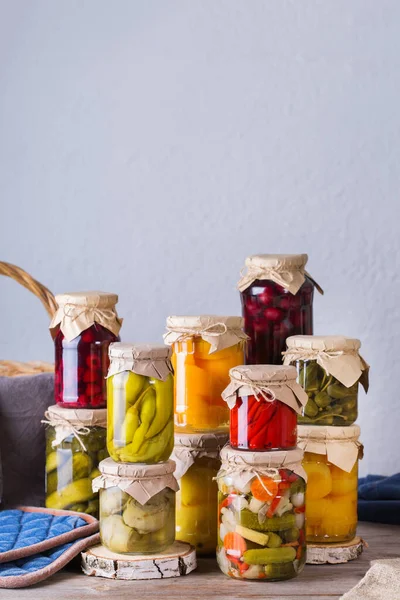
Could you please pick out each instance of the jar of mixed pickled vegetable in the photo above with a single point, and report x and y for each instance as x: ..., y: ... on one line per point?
x: 83, y: 327
x: 75, y: 445
x: 277, y: 301
x: 261, y: 514
x: 331, y: 462
x: 197, y: 464
x: 204, y: 349
x: 137, y: 506
x: 140, y: 403
x: 329, y: 369
x: 264, y: 401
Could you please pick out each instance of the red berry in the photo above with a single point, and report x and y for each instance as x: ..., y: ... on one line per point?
x: 93, y: 361
x: 90, y: 376
x: 266, y: 297
x: 284, y: 303
x: 273, y: 314
x: 88, y: 335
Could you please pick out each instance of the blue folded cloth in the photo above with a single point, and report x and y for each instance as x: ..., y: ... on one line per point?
x: 379, y: 499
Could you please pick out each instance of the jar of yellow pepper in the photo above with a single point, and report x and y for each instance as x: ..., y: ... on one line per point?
x: 205, y: 348
x: 197, y: 464
x: 140, y: 427
x: 331, y: 462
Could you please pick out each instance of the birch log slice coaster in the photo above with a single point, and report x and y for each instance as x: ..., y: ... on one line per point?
x: 179, y: 559
x: 321, y: 554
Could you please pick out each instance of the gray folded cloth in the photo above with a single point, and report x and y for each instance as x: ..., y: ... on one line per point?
x: 23, y: 401
x: 381, y: 582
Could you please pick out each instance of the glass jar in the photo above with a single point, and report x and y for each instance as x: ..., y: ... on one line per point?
x: 261, y: 514
x: 277, y: 301
x: 140, y: 520
x: 197, y: 464
x: 264, y: 401
x: 204, y: 349
x: 83, y: 327
x: 329, y: 370
x: 75, y: 445
x: 140, y: 403
x: 332, y: 470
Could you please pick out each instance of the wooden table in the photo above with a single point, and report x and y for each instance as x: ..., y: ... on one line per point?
x: 323, y: 582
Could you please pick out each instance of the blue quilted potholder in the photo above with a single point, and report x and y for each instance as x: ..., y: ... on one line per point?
x: 28, y: 530
x: 32, y: 569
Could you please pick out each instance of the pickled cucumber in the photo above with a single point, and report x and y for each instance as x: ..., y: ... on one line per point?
x: 280, y: 571
x: 146, y: 518
x: 267, y: 556
x: 251, y: 521
x: 117, y: 536
x: 274, y: 540
x: 137, y: 528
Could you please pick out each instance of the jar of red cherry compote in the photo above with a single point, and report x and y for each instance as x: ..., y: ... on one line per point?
x: 83, y: 327
x: 277, y: 302
x: 264, y: 401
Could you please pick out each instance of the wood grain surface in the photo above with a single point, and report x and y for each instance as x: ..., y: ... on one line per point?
x: 317, y: 582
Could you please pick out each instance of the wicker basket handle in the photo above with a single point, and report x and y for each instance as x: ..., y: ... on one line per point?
x: 22, y: 277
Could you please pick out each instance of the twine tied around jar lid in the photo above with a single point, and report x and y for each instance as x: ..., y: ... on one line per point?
x: 270, y: 382
x: 244, y: 465
x: 77, y: 422
x: 287, y: 270
x: 150, y: 360
x: 219, y: 332
x: 78, y: 311
x: 336, y: 354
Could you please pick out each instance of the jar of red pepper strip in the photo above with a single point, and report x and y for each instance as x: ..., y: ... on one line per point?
x: 264, y: 401
x: 83, y: 327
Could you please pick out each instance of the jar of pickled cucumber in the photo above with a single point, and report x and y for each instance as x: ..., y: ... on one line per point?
x: 204, y: 349
x: 329, y: 369
x: 83, y: 327
x: 264, y: 401
x: 137, y: 506
x: 140, y: 403
x: 277, y: 301
x: 197, y: 464
x: 261, y: 531
x: 331, y: 462
x: 75, y: 445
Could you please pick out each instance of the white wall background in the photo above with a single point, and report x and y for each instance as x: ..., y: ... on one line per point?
x: 148, y: 146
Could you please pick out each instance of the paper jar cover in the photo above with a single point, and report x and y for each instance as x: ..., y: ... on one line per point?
x: 190, y: 446
x: 340, y: 445
x: 78, y: 311
x: 268, y: 382
x: 219, y: 332
x: 150, y: 360
x: 336, y: 354
x: 140, y: 481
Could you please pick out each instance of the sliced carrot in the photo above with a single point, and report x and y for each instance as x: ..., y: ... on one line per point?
x: 234, y: 544
x: 300, y: 509
x: 264, y: 489
x: 299, y: 552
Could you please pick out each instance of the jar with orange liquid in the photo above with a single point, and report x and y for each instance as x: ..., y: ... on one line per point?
x: 331, y: 462
x: 205, y: 348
